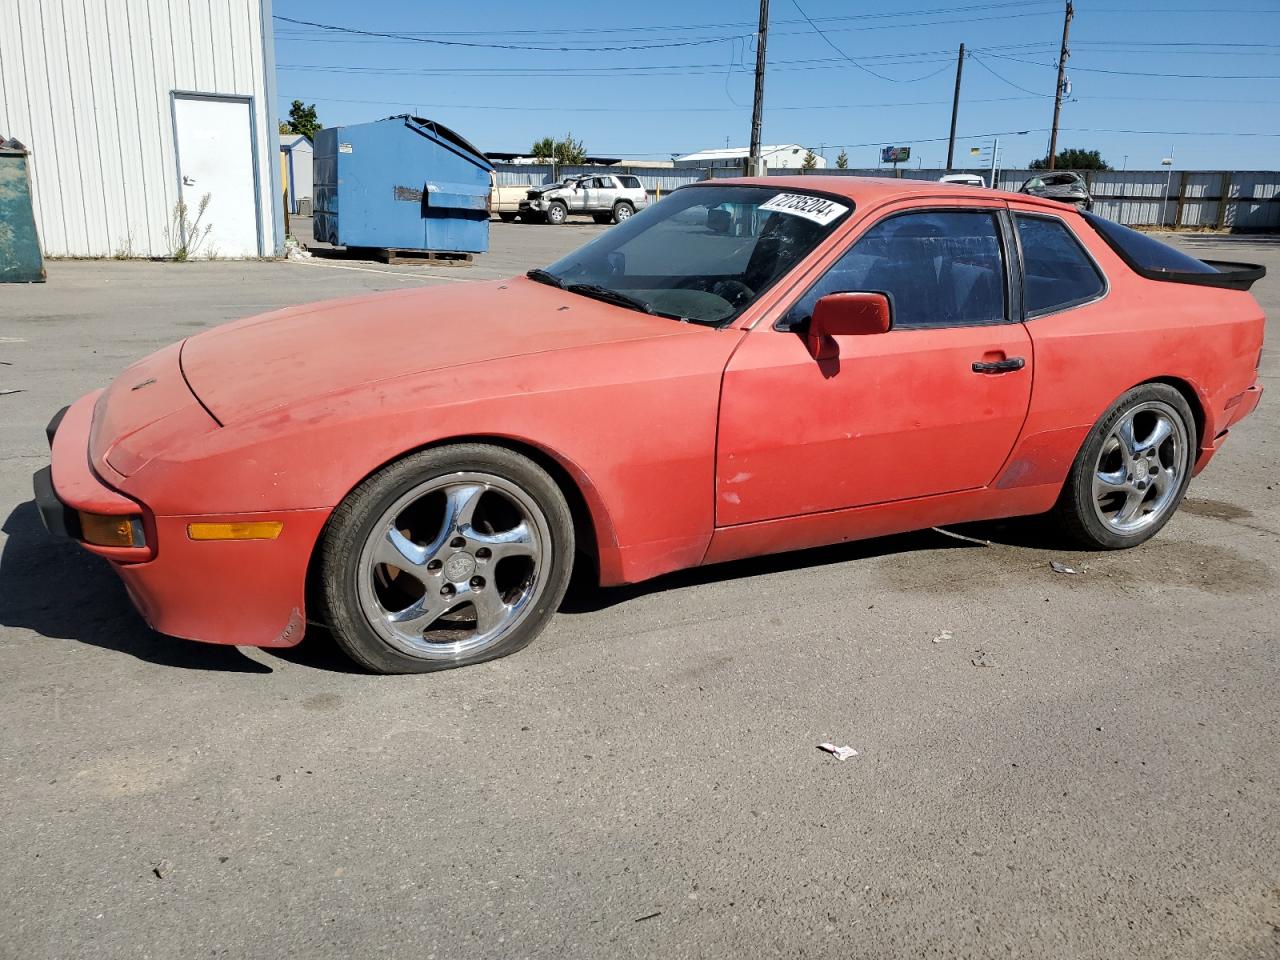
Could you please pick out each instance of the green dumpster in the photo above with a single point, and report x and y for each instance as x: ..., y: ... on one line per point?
x: 20, y: 259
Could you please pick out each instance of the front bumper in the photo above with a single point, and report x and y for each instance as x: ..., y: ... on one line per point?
x: 245, y: 592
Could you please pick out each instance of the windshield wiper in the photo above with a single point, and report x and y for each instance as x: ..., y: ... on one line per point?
x: 598, y: 292
x: 544, y: 276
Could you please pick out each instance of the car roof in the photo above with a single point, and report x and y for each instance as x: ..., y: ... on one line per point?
x: 875, y: 190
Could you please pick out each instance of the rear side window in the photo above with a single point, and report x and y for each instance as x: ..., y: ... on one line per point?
x: 631, y: 183
x: 1057, y: 272
x: 1146, y: 253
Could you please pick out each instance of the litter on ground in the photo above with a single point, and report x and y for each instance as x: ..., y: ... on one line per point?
x: 840, y: 753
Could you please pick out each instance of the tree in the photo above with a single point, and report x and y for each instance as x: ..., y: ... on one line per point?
x: 1073, y: 160
x: 543, y: 150
x: 810, y: 160
x: 302, y: 120
x: 564, y: 150
x: 842, y: 161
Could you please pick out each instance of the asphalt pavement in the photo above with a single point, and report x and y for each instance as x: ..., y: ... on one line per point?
x: 1049, y: 765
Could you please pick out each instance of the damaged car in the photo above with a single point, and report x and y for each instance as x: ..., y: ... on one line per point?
x: 1064, y: 186
x: 606, y: 198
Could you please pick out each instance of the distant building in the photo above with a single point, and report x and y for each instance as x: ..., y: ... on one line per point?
x: 785, y: 156
x: 295, y: 168
x: 129, y: 108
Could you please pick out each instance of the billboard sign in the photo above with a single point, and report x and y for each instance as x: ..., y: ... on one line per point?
x: 895, y: 154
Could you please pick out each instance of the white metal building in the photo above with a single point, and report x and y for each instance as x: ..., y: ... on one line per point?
x: 296, y: 156
x: 129, y: 106
x: 784, y: 156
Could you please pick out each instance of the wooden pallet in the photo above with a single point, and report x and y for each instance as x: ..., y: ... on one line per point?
x: 447, y: 258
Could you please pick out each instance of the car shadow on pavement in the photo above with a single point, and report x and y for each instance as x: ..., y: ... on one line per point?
x: 63, y: 592
x: 585, y: 597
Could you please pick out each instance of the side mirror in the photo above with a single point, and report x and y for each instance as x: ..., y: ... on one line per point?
x: 845, y: 315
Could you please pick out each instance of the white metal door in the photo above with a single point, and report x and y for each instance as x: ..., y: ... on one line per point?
x: 216, y: 159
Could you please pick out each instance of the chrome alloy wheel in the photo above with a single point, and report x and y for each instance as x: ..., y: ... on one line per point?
x: 453, y: 565
x: 1141, y: 467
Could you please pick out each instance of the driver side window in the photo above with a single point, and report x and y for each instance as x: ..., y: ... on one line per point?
x: 938, y: 268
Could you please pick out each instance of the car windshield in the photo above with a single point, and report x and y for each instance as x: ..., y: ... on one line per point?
x: 702, y: 254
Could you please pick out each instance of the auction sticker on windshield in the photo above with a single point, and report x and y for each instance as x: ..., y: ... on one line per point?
x: 818, y: 209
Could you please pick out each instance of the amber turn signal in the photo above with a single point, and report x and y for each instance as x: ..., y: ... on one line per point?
x: 259, y: 530
x: 108, y: 531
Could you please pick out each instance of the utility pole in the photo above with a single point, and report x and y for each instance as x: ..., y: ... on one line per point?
x: 757, y: 109
x: 1062, y: 76
x: 955, y: 108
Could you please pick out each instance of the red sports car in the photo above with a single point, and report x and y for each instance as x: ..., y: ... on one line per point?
x: 748, y: 366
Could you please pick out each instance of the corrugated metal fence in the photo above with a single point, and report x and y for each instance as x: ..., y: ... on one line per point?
x: 1223, y: 200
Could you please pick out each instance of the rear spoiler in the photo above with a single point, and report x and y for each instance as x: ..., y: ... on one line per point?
x: 1233, y: 276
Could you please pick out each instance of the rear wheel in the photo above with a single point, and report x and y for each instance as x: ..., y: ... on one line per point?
x: 448, y: 557
x: 622, y: 210
x: 1132, y: 471
x: 557, y: 213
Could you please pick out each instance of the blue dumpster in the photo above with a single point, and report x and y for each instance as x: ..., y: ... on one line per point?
x: 403, y: 183
x: 20, y: 259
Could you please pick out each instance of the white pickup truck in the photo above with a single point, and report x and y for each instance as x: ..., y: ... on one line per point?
x: 505, y: 200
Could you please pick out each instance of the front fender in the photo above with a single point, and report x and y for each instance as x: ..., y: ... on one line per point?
x: 640, y: 447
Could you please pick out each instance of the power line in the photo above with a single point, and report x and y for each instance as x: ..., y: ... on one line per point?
x: 979, y: 61
x: 744, y: 25
x: 831, y: 44
x: 545, y: 109
x: 1141, y: 73
x: 504, y: 46
x: 364, y: 36
x: 650, y: 70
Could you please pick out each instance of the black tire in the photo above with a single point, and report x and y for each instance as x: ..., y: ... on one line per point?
x: 602, y: 217
x: 507, y: 217
x: 1076, y: 514
x: 557, y: 213
x: 356, y: 519
x: 622, y: 210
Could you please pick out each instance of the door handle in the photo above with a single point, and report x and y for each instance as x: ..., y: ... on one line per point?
x: 999, y: 366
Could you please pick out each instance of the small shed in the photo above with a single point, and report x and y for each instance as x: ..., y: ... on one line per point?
x: 402, y: 183
x: 295, y: 168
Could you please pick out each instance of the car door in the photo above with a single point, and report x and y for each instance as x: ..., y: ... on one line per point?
x: 607, y: 193
x: 932, y: 406
x: 576, y: 194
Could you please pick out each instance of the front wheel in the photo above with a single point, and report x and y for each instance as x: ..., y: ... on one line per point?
x: 1132, y: 471
x: 448, y: 557
x: 557, y: 213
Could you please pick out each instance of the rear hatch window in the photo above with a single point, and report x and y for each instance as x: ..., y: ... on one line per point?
x: 1154, y: 260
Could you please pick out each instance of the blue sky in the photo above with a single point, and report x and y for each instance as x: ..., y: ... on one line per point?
x: 648, y: 79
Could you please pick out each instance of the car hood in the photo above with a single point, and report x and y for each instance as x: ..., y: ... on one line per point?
x: 247, y: 368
